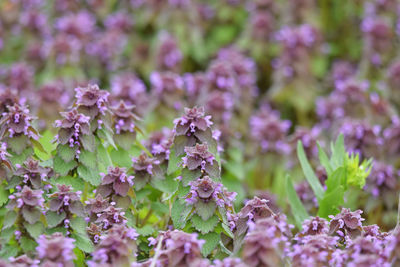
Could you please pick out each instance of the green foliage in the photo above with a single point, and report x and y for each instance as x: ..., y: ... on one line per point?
x: 343, y: 170
x: 212, y: 240
x: 204, y: 226
x: 298, y: 210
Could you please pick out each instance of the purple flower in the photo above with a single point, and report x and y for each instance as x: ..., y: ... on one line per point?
x: 92, y: 99
x: 179, y: 248
x: 382, y: 179
x: 111, y: 216
x: 26, y: 197
x: 96, y: 205
x: 32, y: 173
x: 168, y: 88
x: 79, y: 25
x: 192, y: 121
x: 270, y: 131
x: 206, y: 191
x: 199, y: 157
x: 159, y: 144
x: 315, y: 250
x: 66, y: 200
x: 72, y: 127
x: 119, y: 21
x: 313, y: 226
x: 116, y: 180
x: 221, y: 76
x: 346, y: 223
x: 17, y: 121
x: 117, y: 247
x: 55, y: 250
x: 168, y: 55
x: 254, y: 210
x: 266, y: 242
x: 124, y: 118
x: 146, y: 169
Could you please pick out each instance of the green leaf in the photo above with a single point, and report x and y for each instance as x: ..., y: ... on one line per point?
x: 189, y: 176
x: 298, y: 210
x: 35, y: 230
x: 168, y: 185
x: 91, y: 176
x: 53, y: 218
x: 107, y: 136
x: 18, y: 143
x: 3, y: 196
x: 145, y: 230
x: 31, y: 214
x: 46, y: 142
x: 336, y: 179
x: 312, y: 179
x: 121, y: 157
x: 324, y: 160
x: 330, y: 203
x: 78, y: 224
x: 27, y: 244
x: 21, y: 158
x: 80, y: 257
x: 9, y: 219
x: 88, y: 159
x: 179, y: 213
x: 62, y: 167
x: 159, y: 208
x: 83, y: 242
x: 212, y: 240
x: 103, y: 158
x: 88, y: 142
x: 76, y: 182
x: 338, y: 152
x: 205, y: 210
x: 204, y: 226
x: 9, y: 250
x: 125, y: 140
x: 66, y: 152
x: 173, y: 162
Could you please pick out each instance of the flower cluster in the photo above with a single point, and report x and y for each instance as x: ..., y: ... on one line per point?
x: 116, y: 181
x: 55, y: 250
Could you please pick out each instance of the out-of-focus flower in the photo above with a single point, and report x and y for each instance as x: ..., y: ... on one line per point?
x: 360, y: 137
x: 80, y: 25
x: 55, y: 250
x: 178, y: 248
x: 270, y: 131
x: 128, y: 87
x: 29, y: 202
x: 314, y: 250
x: 119, y: 21
x: 168, y: 88
x: 159, y: 144
x: 168, y: 55
x: 313, y: 226
x: 382, y: 179
x: 266, y: 242
x: 117, y: 248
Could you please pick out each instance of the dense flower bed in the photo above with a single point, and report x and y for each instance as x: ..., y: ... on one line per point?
x: 199, y: 133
